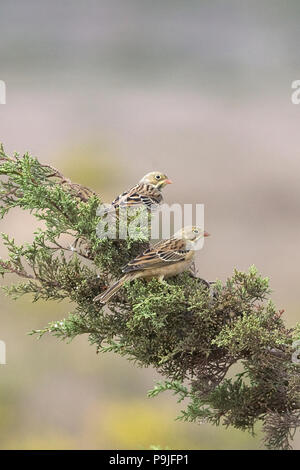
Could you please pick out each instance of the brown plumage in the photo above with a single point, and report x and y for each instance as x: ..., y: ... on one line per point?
x: 165, y: 259
x: 146, y: 193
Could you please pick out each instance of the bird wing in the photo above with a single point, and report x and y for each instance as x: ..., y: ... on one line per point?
x: 145, y: 194
x: 162, y: 254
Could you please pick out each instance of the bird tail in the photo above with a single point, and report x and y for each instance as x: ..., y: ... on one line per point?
x: 112, y: 290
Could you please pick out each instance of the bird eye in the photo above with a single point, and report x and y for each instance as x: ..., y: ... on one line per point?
x: 195, y: 230
x: 158, y: 177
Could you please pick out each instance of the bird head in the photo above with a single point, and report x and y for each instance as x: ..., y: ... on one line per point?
x: 157, y: 179
x: 191, y: 234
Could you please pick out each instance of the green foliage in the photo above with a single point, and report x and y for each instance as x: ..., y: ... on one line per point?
x: 190, y: 333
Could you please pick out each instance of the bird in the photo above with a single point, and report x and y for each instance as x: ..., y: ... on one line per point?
x: 146, y: 193
x: 165, y: 259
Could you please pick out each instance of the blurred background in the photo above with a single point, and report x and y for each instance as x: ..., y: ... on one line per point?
x: 107, y: 90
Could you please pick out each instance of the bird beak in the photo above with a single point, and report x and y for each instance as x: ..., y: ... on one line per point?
x: 206, y: 234
x: 168, y: 181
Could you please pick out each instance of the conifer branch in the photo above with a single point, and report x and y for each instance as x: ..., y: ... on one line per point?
x: 189, y: 330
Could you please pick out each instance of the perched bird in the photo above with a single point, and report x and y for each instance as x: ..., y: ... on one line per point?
x: 146, y: 193
x: 167, y: 258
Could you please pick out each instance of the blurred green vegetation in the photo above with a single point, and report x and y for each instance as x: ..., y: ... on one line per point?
x: 92, y: 163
